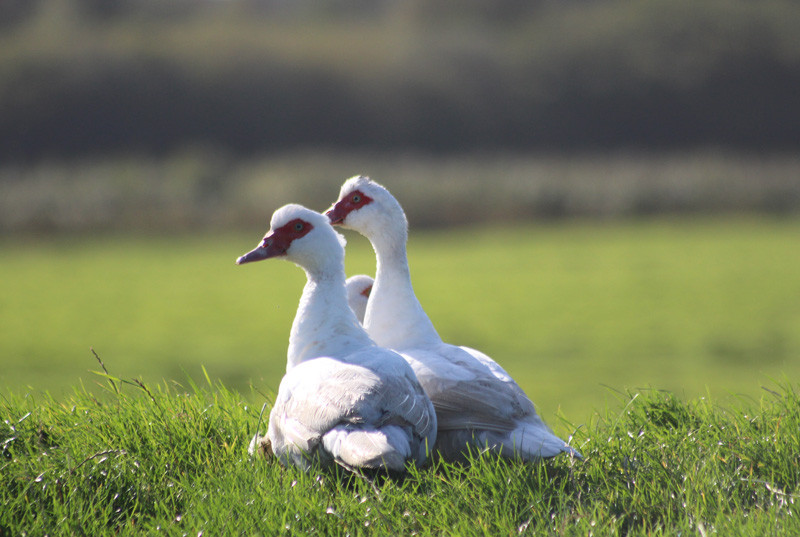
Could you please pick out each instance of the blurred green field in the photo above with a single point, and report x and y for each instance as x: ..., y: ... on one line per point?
x: 573, y: 309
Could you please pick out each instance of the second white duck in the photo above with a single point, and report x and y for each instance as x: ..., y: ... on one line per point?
x: 343, y: 399
x: 478, y: 404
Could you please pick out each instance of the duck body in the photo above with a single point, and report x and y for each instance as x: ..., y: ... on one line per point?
x: 356, y: 414
x: 478, y: 404
x: 343, y: 399
x: 480, y: 407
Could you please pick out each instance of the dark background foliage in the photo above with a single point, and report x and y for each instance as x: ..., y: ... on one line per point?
x: 87, y: 77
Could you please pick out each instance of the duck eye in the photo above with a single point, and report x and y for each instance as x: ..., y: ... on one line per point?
x: 298, y: 226
x: 356, y: 198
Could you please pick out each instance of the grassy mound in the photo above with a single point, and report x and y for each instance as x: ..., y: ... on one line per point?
x: 172, y: 460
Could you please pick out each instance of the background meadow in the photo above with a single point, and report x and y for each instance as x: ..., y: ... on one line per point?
x: 574, y: 310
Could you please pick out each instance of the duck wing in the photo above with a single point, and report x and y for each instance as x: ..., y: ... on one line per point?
x: 339, y: 411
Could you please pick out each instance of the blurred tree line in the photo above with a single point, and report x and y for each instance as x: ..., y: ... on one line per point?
x: 85, y: 77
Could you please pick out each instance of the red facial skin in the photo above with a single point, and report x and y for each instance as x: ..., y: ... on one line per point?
x: 367, y: 291
x: 277, y: 242
x: 339, y: 212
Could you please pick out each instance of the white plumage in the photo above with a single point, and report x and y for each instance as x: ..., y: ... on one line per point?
x: 343, y: 398
x: 477, y: 402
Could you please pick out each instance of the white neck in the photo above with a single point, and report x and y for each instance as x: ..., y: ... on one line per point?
x: 394, y: 316
x: 324, y: 324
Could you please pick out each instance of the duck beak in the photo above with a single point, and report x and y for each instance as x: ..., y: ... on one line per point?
x: 336, y: 214
x: 271, y: 246
x: 254, y: 255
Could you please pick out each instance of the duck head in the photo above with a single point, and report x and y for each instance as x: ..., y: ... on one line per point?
x: 359, y: 288
x: 367, y: 207
x: 299, y: 235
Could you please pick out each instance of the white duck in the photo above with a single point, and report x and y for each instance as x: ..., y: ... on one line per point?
x: 358, y: 290
x: 343, y: 398
x: 477, y: 403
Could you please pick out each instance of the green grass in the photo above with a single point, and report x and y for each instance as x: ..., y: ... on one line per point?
x: 172, y: 460
x: 684, y: 305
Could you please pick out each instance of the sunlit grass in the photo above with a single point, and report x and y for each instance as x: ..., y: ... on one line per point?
x: 159, y: 459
